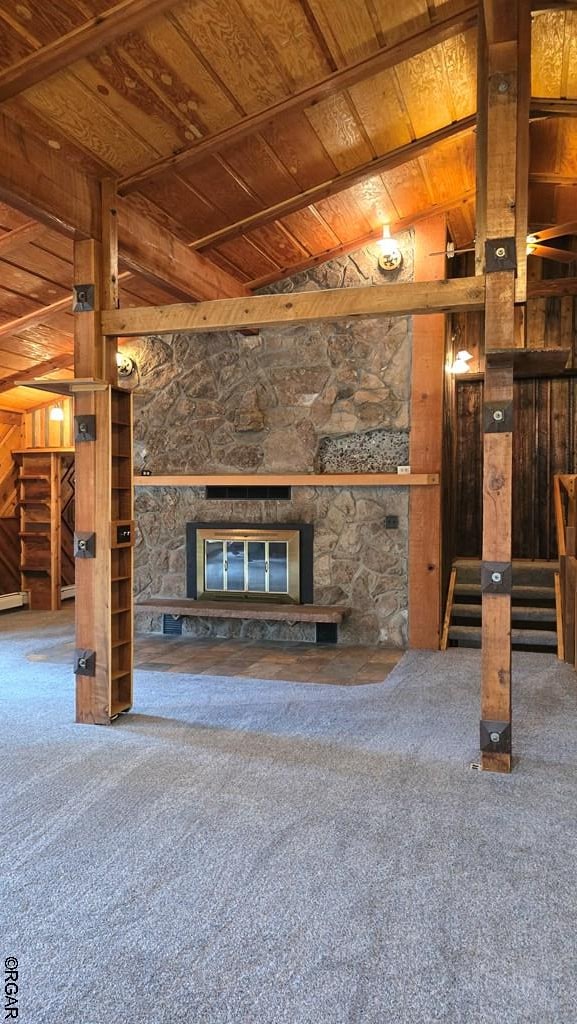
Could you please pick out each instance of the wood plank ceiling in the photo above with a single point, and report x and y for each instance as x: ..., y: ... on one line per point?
x: 232, y: 125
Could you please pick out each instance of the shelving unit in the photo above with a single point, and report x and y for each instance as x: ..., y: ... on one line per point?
x: 105, y: 620
x: 40, y: 512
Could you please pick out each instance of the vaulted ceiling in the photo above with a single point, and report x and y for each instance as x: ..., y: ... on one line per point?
x: 267, y: 135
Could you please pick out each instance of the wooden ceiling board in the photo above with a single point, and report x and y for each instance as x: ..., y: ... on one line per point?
x: 143, y: 293
x: 567, y: 148
x: 285, y: 28
x: 343, y: 216
x: 13, y: 305
x: 340, y: 132
x: 278, y: 244
x: 66, y: 102
x: 40, y: 24
x: 166, y: 59
x: 264, y: 173
x: 422, y: 78
x: 296, y: 143
x: 229, y: 44
x: 139, y: 109
x: 309, y: 228
x: 564, y: 203
x: 39, y: 262
x: 460, y: 59
x: 11, y: 219
x: 13, y: 48
x: 449, y: 168
x: 10, y: 363
x: 395, y: 22
x: 378, y: 103
x: 461, y: 224
x: 221, y: 261
x: 52, y: 137
x: 213, y: 181
x: 407, y: 188
x: 347, y: 28
x: 21, y: 282
x: 178, y: 199
x: 372, y: 197
x: 546, y: 51
x: 243, y: 254
x: 570, y: 84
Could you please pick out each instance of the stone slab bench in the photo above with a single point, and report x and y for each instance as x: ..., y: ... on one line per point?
x: 326, y: 620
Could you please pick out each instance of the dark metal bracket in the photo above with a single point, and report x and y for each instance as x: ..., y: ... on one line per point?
x: 84, y: 663
x: 83, y: 298
x: 85, y: 428
x: 498, y: 417
x: 495, y: 737
x: 500, y: 254
x: 85, y: 545
x: 496, y: 577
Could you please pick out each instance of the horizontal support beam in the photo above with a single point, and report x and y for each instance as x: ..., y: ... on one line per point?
x: 96, y: 33
x: 291, y: 480
x: 444, y: 28
x: 260, y: 311
x: 380, y: 164
x: 553, y: 107
x: 544, y: 288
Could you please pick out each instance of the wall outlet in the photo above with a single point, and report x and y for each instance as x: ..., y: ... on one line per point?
x: 391, y: 522
x: 403, y: 470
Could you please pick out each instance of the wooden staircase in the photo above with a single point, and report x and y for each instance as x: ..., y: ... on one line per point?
x: 533, y: 606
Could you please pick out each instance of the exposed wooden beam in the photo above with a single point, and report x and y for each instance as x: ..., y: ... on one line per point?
x: 45, y: 186
x: 444, y: 28
x: 39, y: 181
x: 38, y: 370
x: 20, y: 236
x: 386, y: 162
x: 371, y: 236
x: 556, y: 286
x: 126, y: 16
x: 159, y: 256
x: 465, y: 293
x: 553, y: 107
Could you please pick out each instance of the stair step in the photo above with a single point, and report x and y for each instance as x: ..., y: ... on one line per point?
x: 519, y: 613
x: 520, y: 593
x: 470, y: 636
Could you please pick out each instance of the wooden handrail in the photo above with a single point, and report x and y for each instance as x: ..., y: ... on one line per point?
x: 559, y: 516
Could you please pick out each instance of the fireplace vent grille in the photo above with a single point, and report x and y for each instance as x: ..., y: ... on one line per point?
x: 215, y: 492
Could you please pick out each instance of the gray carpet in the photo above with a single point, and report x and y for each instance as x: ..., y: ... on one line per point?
x: 281, y: 853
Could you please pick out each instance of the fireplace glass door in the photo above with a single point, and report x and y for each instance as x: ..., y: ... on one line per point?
x: 252, y: 565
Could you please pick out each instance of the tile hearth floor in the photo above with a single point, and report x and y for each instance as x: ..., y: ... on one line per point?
x: 296, y: 662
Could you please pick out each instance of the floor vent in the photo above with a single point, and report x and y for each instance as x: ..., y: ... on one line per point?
x: 236, y: 493
x: 172, y: 625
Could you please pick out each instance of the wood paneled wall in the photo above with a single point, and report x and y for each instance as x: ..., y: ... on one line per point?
x: 11, y: 437
x: 42, y: 432
x: 545, y: 443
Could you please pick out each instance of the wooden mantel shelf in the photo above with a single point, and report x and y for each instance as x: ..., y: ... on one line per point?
x: 291, y: 480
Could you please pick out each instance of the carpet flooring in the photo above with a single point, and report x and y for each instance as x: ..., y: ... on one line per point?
x: 267, y: 852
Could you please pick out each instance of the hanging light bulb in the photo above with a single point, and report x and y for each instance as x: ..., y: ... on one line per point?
x: 56, y: 414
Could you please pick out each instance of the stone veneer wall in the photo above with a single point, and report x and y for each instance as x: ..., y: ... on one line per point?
x: 320, y: 397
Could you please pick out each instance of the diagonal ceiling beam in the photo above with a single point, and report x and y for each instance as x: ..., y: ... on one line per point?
x: 38, y: 370
x: 43, y: 184
x: 124, y: 17
x: 387, y: 162
x: 20, y: 236
x: 444, y: 28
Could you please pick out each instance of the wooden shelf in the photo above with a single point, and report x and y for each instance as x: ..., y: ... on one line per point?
x: 291, y: 480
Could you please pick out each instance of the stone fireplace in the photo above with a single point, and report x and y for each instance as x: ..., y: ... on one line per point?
x: 320, y: 398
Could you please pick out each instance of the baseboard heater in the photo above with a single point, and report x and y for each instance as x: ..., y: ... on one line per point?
x: 20, y: 600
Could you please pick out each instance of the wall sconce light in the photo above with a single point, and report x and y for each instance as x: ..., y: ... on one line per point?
x: 125, y: 365
x: 461, y: 362
x: 532, y: 243
x: 390, y: 256
x: 56, y: 414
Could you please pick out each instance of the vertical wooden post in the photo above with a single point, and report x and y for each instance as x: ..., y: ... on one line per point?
x: 503, y: 75
x: 98, y: 470
x: 426, y: 456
